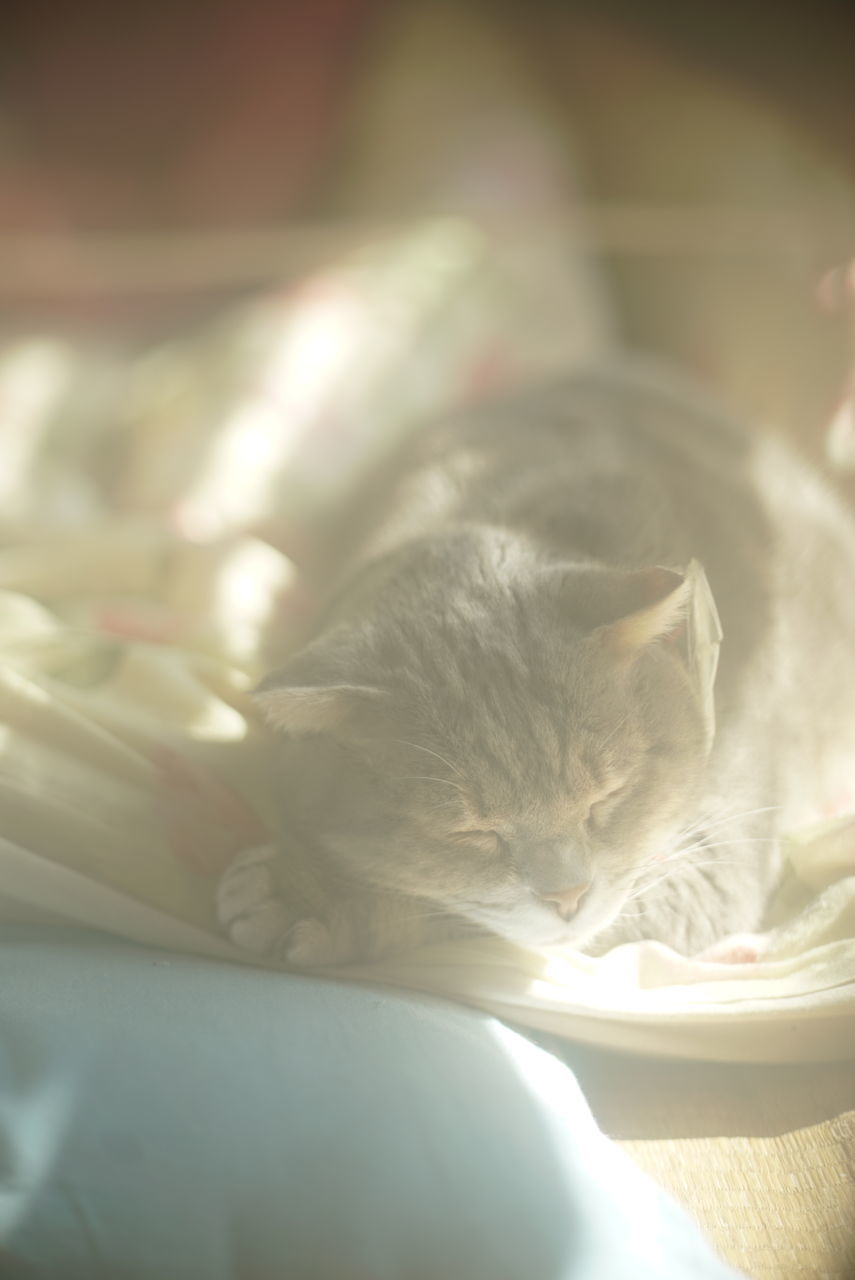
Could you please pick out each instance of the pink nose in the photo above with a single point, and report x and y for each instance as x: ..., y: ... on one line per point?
x: 566, y: 901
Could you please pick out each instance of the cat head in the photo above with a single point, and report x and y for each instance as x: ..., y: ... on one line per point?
x: 509, y: 741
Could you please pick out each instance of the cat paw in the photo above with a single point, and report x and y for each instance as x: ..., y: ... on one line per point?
x: 256, y: 920
x: 737, y: 948
x: 311, y: 943
x: 247, y: 907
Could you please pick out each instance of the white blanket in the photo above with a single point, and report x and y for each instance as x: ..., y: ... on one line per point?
x: 130, y: 773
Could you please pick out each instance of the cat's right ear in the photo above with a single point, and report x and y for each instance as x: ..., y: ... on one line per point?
x: 307, y: 696
x: 655, y: 603
x: 625, y: 610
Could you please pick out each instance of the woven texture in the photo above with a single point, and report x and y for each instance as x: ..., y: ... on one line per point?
x: 779, y: 1208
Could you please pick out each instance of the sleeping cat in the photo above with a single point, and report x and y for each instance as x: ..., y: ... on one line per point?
x: 496, y: 727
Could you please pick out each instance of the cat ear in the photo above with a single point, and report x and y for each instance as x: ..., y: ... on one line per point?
x: 315, y: 708
x: 310, y: 696
x: 655, y: 602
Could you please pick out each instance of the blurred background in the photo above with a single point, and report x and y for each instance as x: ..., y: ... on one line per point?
x: 245, y: 244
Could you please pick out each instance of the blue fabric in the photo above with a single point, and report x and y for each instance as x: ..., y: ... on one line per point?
x: 163, y: 1118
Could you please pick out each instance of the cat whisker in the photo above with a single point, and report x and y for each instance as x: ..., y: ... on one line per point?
x: 702, y: 846
x: 690, y: 856
x: 449, y: 805
x: 646, y: 886
x: 424, y: 777
x: 703, y: 824
x: 714, y: 862
x: 632, y: 915
x: 404, y: 742
x: 685, y: 852
x: 729, y: 844
x: 667, y: 864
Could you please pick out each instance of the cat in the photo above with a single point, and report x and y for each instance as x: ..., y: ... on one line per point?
x: 494, y: 727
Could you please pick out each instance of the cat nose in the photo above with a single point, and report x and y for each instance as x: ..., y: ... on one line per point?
x: 566, y: 901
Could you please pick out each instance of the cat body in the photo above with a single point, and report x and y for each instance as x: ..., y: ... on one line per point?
x: 494, y: 726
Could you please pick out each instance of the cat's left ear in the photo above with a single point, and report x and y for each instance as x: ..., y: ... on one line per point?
x: 317, y: 693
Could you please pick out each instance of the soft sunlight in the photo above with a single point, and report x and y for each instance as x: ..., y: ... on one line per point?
x: 248, y: 586
x: 300, y: 377
x: 34, y: 375
x: 217, y: 722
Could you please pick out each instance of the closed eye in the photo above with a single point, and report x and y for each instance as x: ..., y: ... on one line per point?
x: 485, y: 841
x: 600, y: 809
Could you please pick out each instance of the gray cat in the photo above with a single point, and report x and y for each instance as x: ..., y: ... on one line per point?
x: 495, y: 726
